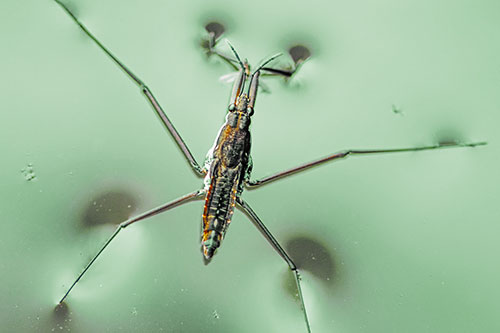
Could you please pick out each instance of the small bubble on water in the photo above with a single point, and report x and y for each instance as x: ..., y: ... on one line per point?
x: 28, y: 172
x: 216, y: 314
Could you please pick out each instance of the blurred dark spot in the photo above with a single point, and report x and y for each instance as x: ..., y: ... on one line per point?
x: 299, y: 54
x: 111, y: 207
x: 61, y: 319
x: 310, y: 255
x: 447, y: 142
x: 61, y: 311
x: 448, y: 137
x: 214, y: 31
x: 215, y: 28
x: 397, y: 110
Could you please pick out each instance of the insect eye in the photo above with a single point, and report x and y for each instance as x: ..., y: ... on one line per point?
x: 231, y: 107
x: 250, y: 110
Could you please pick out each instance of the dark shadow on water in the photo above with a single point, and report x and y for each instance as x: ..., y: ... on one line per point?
x: 60, y: 319
x: 449, y: 136
x: 111, y: 207
x: 310, y: 255
x: 215, y: 28
x: 299, y: 54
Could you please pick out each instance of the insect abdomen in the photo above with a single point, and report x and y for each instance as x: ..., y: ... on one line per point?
x: 219, y: 208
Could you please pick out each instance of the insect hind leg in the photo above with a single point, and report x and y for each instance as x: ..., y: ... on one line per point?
x: 245, y: 207
x: 160, y: 209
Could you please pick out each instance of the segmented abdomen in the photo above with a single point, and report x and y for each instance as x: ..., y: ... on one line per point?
x: 219, y: 207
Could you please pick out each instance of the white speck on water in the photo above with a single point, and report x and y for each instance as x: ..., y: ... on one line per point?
x: 129, y: 206
x: 134, y: 311
x: 100, y: 286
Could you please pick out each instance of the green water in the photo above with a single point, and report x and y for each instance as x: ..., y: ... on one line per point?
x: 401, y: 243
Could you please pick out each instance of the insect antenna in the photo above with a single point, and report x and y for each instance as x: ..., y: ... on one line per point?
x: 236, y: 54
x: 250, y: 86
x: 267, y: 61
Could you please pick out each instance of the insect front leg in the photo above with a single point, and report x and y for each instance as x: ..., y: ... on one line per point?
x: 155, y: 211
x: 245, y: 207
x: 147, y: 92
x: 345, y: 153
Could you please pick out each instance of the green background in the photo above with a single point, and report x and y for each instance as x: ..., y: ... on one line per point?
x: 390, y: 243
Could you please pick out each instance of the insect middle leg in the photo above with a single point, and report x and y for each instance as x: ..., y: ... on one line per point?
x: 160, y: 209
x: 245, y: 207
x: 147, y: 92
x: 345, y: 153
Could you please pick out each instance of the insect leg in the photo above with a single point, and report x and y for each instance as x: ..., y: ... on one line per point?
x: 160, y: 209
x: 345, y: 153
x: 299, y: 55
x: 277, y: 247
x: 147, y: 92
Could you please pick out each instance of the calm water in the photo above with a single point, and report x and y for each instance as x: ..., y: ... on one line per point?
x: 401, y: 243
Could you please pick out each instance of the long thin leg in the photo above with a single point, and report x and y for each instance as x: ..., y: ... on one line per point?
x: 160, y: 209
x: 346, y: 153
x: 147, y: 92
x: 277, y: 247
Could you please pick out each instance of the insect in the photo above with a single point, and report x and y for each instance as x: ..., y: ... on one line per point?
x: 228, y: 167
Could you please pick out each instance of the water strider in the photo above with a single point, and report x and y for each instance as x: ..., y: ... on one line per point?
x: 228, y: 166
